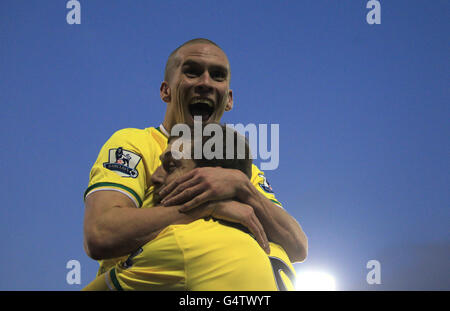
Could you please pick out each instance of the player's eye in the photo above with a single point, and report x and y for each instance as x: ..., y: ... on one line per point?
x: 218, y: 75
x: 170, y: 166
x: 192, y: 72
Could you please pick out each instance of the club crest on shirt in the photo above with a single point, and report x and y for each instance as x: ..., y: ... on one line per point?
x: 265, y: 184
x: 123, y: 162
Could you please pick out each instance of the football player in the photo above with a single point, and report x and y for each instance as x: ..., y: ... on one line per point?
x: 120, y: 214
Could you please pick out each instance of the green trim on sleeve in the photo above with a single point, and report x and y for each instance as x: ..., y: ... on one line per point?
x: 110, y: 184
x: 114, y: 279
x: 276, y: 202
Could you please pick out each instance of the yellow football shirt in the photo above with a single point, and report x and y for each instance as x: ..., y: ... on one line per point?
x: 127, y: 161
x: 204, y: 255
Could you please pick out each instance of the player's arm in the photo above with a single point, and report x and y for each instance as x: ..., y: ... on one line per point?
x: 113, y: 227
x: 214, y: 183
x: 281, y: 227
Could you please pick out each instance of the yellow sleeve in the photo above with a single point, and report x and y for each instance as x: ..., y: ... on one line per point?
x: 120, y: 167
x: 263, y: 186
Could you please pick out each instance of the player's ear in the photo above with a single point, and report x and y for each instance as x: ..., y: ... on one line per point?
x: 229, y: 104
x: 164, y: 92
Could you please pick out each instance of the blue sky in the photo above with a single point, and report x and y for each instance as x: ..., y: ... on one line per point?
x: 363, y: 113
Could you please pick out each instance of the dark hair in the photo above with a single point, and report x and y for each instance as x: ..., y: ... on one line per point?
x: 239, y: 159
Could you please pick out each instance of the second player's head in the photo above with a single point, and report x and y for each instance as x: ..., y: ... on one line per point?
x: 234, y: 153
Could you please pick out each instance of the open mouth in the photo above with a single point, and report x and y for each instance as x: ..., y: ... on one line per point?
x: 201, y: 107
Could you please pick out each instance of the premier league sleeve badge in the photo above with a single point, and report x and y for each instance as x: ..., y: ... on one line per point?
x: 265, y: 184
x: 123, y: 162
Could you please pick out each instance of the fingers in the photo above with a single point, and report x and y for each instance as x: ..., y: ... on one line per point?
x: 257, y: 230
x: 198, y: 200
x: 243, y: 214
x: 174, y: 196
x: 171, y: 186
x: 186, y: 195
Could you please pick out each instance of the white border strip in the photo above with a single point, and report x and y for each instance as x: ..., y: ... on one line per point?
x: 115, y: 189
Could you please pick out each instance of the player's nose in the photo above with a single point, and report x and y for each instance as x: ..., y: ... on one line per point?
x: 204, y: 84
x: 158, y: 177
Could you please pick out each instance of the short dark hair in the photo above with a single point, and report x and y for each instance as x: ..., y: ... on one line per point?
x: 172, y: 60
x: 239, y: 161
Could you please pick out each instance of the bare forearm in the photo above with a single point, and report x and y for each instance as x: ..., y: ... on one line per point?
x: 280, y: 227
x: 121, y: 230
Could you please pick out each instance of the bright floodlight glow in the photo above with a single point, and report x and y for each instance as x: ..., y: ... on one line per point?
x: 315, y: 280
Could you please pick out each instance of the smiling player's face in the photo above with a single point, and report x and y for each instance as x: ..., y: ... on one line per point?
x: 170, y: 169
x: 199, y: 85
